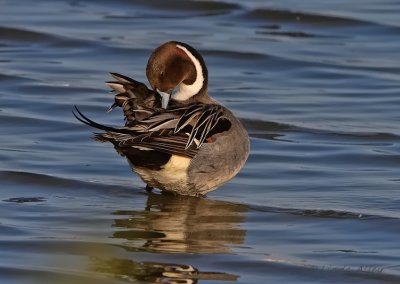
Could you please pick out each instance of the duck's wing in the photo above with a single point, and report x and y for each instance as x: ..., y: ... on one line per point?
x: 198, y: 121
x: 142, y: 138
x: 136, y: 100
x: 164, y: 141
x: 179, y: 131
x: 201, y: 122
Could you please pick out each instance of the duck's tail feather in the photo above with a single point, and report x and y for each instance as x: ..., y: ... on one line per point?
x: 85, y: 120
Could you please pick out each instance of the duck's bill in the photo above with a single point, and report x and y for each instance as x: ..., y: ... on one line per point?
x: 164, y: 98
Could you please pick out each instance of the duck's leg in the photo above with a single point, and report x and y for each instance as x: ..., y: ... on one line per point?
x: 149, y: 188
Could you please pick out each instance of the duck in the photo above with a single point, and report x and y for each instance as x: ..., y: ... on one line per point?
x: 176, y: 137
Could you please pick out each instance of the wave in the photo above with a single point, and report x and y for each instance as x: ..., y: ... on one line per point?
x: 46, y: 181
x: 25, y: 199
x: 319, y: 213
x: 24, y: 35
x: 178, y: 5
x: 253, y: 125
x: 51, y: 182
x: 308, y: 273
x: 28, y: 36
x: 298, y: 17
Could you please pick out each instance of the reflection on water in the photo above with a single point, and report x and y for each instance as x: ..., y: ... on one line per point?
x: 176, y: 225
x: 181, y: 224
x: 152, y: 272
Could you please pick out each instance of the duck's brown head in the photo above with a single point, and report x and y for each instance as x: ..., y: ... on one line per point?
x: 177, y: 71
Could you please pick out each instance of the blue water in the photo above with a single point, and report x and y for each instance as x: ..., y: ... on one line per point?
x: 317, y: 86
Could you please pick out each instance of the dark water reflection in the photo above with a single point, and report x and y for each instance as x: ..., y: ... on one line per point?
x: 182, y: 224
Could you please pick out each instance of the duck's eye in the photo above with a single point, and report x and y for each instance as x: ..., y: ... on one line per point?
x: 162, y: 74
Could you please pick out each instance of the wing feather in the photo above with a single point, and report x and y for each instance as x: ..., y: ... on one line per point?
x: 179, y: 130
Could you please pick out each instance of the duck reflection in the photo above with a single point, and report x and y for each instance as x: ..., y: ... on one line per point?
x: 173, y: 224
x: 154, y: 272
x: 181, y: 224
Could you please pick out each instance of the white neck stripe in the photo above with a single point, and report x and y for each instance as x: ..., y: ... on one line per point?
x: 182, y: 92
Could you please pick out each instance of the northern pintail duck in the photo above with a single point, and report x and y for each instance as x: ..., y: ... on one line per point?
x: 176, y: 137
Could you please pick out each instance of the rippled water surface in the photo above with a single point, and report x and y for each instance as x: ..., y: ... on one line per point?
x: 316, y: 84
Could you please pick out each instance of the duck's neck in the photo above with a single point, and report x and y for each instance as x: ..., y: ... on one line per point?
x: 200, y: 98
x: 184, y: 92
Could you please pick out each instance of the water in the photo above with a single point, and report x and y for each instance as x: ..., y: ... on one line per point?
x: 317, y: 85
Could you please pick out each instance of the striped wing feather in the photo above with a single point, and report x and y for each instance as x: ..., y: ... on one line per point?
x: 179, y: 130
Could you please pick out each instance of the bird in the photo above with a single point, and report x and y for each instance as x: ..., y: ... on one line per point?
x: 176, y: 137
